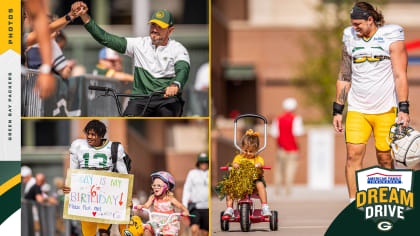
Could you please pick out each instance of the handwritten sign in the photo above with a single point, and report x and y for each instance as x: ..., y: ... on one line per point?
x: 98, y: 196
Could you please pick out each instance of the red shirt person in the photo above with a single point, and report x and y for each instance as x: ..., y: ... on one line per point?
x: 285, y: 128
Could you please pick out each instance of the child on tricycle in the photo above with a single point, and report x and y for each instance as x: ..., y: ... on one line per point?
x: 245, y: 178
x: 250, y: 143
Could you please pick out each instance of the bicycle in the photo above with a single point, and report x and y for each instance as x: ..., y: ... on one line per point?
x: 112, y: 93
x: 159, y: 224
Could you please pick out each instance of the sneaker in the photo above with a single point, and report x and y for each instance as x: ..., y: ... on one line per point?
x: 228, y: 212
x: 266, y: 211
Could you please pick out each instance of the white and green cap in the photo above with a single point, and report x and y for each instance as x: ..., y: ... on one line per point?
x: 163, y: 18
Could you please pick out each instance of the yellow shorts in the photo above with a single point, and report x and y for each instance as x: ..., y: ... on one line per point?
x: 90, y: 228
x: 359, y: 126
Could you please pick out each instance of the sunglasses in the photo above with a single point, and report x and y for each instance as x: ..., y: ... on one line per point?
x: 157, y: 186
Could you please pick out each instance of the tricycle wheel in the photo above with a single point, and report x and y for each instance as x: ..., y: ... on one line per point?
x: 245, y: 220
x: 224, y: 224
x: 273, y: 221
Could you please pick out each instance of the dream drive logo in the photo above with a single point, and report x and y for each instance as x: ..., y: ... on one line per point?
x: 384, y: 195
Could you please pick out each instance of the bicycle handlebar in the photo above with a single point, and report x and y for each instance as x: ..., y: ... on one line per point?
x: 106, y: 89
x: 160, y: 214
x: 99, y: 88
x: 228, y: 167
x: 111, y: 92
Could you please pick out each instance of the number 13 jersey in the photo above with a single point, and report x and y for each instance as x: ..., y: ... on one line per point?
x: 82, y: 155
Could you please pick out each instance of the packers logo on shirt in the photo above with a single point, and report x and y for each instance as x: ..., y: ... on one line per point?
x: 384, y: 195
x: 160, y: 14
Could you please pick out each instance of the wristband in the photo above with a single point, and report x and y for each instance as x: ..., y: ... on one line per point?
x: 177, y: 84
x: 403, y: 106
x: 337, y: 108
x: 45, y: 69
x: 68, y: 18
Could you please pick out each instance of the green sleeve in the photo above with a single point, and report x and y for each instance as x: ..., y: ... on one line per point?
x: 114, y: 42
x: 182, y: 69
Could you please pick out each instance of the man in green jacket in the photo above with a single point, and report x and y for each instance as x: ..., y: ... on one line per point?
x: 160, y: 63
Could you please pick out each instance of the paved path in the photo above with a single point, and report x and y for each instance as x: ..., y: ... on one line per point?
x: 304, y: 212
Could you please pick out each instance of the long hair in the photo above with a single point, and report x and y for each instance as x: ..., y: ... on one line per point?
x: 377, y: 16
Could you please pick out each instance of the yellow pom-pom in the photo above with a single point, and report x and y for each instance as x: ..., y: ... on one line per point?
x: 239, y: 182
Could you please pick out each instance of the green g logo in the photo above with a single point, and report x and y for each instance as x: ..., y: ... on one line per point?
x: 384, y: 226
x: 160, y: 14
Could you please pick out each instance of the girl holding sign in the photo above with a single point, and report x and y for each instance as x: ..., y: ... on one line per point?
x: 163, y: 201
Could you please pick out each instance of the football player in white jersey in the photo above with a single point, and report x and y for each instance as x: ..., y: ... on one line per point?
x: 94, y: 153
x: 373, y: 81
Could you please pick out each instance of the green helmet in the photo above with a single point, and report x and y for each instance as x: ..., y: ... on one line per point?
x: 203, y: 157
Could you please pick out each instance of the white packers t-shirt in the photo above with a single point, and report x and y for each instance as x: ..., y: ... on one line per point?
x: 372, y: 87
x: 159, y: 61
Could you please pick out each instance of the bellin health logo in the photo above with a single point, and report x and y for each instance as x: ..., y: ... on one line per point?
x: 384, y: 195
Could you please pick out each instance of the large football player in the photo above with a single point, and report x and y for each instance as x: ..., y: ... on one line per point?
x: 374, y: 75
x: 94, y: 153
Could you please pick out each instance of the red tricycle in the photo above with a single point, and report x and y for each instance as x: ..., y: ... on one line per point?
x: 245, y: 212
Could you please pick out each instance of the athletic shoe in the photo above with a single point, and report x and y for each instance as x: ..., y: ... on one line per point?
x: 266, y: 211
x: 228, y: 212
